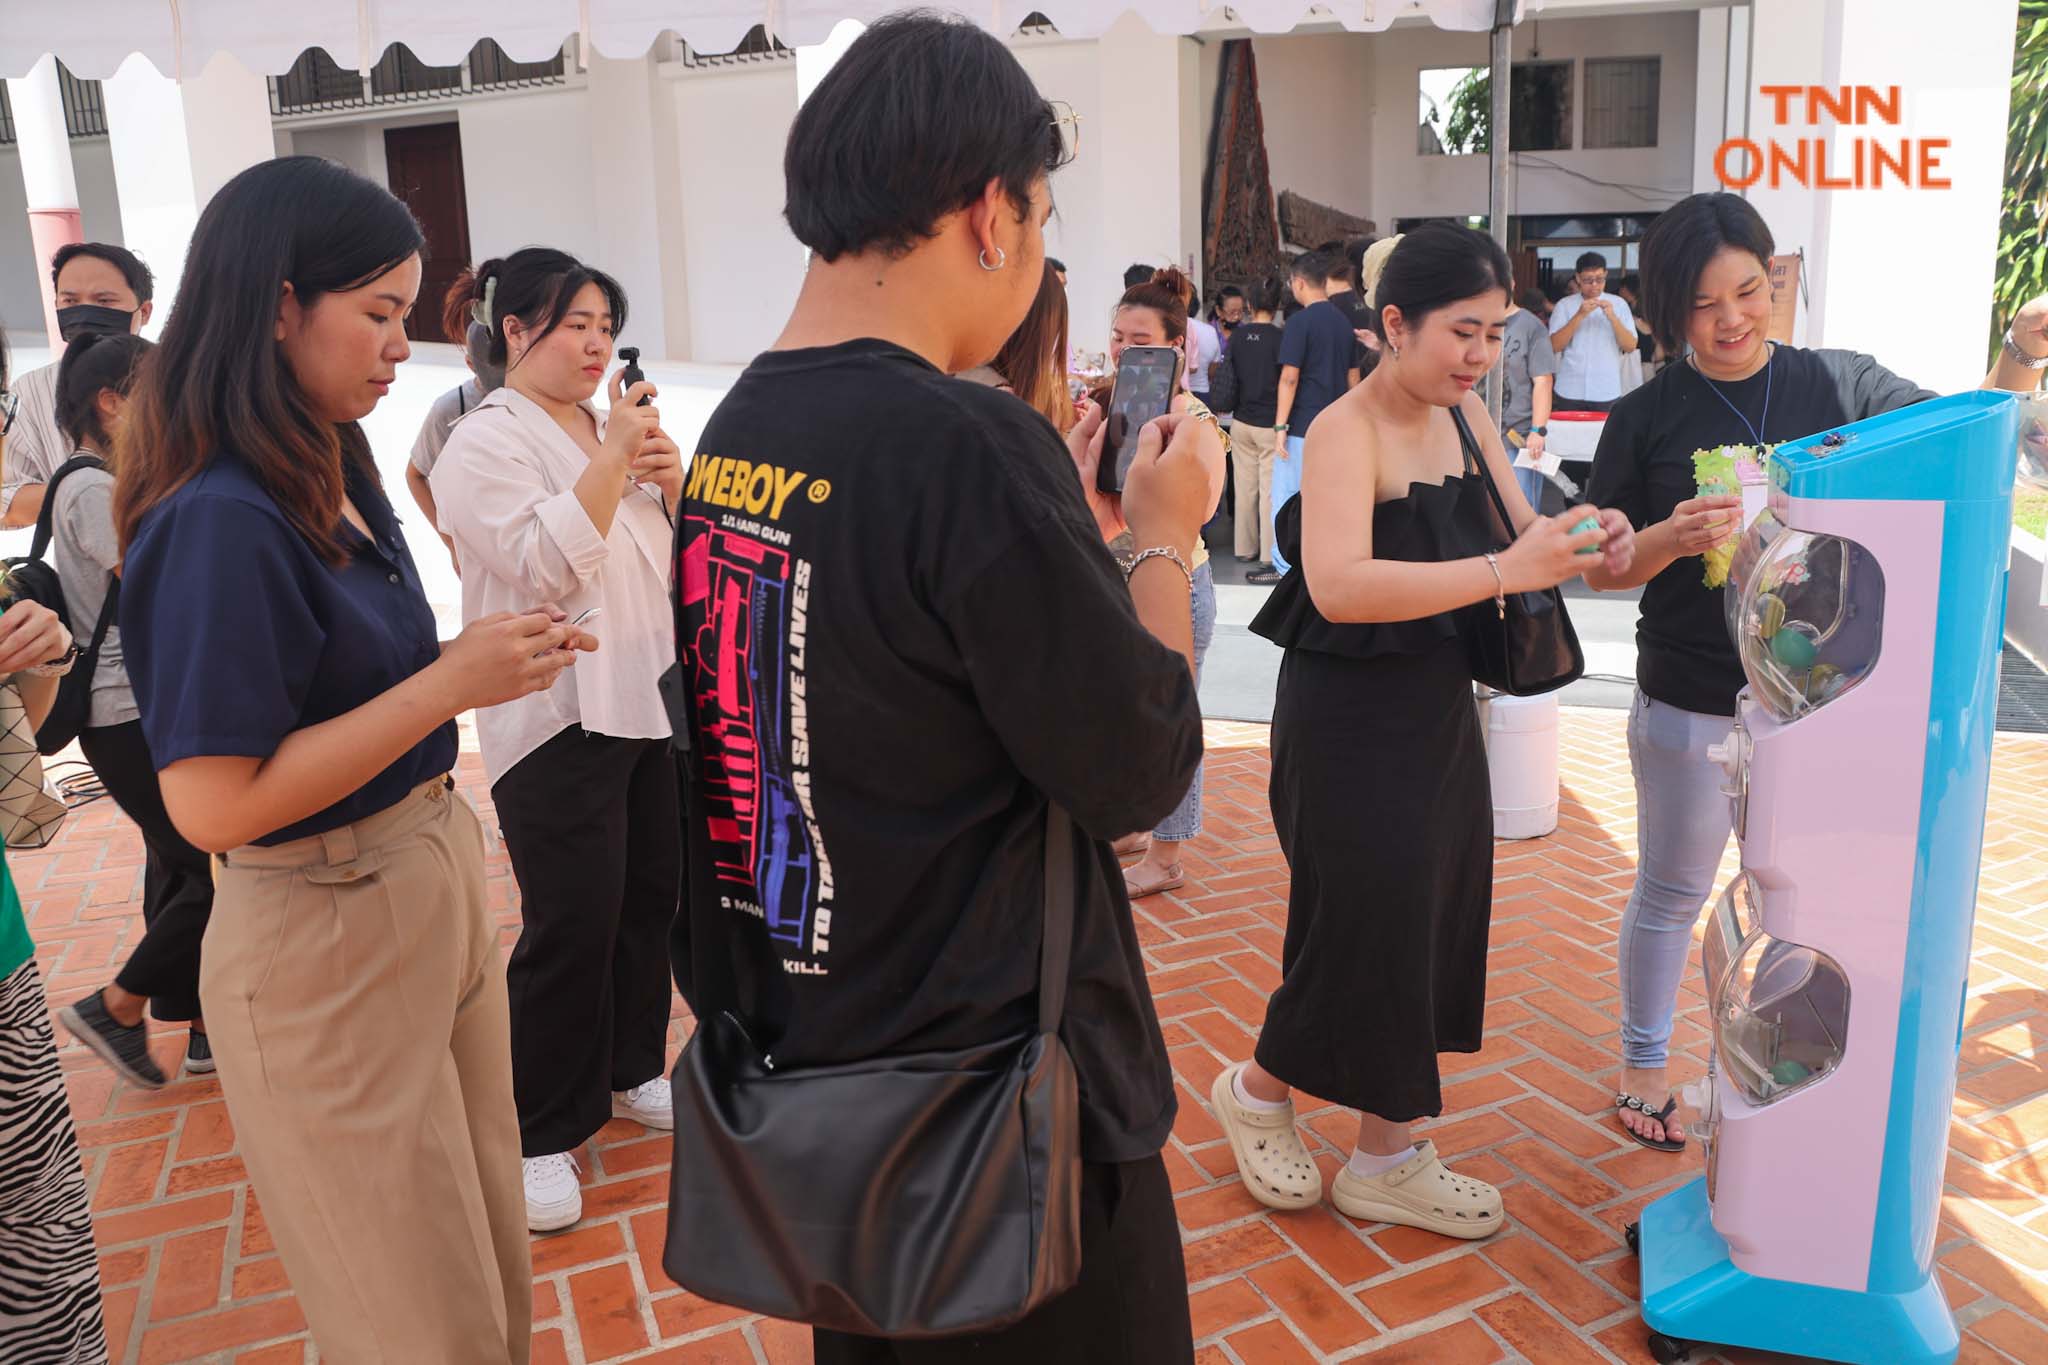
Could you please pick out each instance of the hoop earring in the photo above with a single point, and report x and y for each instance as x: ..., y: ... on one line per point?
x: 1001, y: 260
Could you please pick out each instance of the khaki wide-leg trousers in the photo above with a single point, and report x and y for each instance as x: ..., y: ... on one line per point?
x: 356, y: 1001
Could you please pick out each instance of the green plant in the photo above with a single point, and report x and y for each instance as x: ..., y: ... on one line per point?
x: 2023, y: 223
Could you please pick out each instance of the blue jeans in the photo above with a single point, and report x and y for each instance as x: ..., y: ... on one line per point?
x: 1186, y: 820
x: 1683, y: 820
x: 1286, y: 483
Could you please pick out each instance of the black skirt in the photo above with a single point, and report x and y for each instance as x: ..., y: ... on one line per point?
x: 1382, y: 803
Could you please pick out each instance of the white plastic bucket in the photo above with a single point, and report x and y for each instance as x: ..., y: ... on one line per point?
x: 1521, y: 756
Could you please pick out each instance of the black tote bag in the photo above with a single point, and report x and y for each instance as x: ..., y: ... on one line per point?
x: 1524, y: 644
x: 903, y: 1196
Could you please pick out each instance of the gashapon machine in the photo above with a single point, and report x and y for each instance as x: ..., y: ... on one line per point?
x: 1868, y: 603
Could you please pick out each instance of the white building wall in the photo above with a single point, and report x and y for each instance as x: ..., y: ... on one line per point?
x: 511, y: 205
x: 358, y: 146
x: 1082, y: 192
x: 743, y: 268
x: 21, y: 299
x: 1407, y: 184
x: 1316, y: 97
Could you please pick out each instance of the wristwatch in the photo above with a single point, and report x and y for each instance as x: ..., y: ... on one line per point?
x: 2020, y: 357
x: 1280, y: 428
x: 1540, y: 431
x: 57, y: 667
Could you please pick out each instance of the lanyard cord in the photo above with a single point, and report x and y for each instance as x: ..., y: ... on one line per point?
x: 1763, y: 418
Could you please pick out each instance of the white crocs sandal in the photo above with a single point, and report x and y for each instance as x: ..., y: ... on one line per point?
x: 1271, y: 1159
x: 1420, y: 1193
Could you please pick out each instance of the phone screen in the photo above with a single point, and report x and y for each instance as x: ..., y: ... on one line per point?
x: 1145, y: 376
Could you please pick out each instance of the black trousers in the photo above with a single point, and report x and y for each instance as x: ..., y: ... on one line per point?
x: 594, y: 830
x: 1130, y: 1306
x: 177, y: 879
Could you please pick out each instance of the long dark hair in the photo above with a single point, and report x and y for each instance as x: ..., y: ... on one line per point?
x: 93, y: 363
x: 1034, y: 360
x: 218, y: 382
x: 535, y: 284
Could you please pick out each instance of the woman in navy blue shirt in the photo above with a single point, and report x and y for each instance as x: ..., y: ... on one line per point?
x: 300, y: 711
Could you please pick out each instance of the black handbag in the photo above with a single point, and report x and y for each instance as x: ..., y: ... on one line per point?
x: 903, y: 1196
x: 33, y: 578
x: 1523, y: 644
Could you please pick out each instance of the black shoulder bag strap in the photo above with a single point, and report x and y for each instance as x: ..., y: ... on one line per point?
x: 46, y: 517
x: 1056, y: 956
x: 1476, y: 459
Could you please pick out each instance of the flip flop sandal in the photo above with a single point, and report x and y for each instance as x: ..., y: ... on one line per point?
x: 1641, y: 1106
x: 1271, y: 1159
x: 1421, y: 1193
x: 1137, y: 890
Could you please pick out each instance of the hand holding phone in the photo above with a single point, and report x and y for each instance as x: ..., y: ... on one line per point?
x: 1146, y: 379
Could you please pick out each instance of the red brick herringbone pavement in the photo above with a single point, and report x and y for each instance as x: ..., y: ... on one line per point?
x: 191, y: 1274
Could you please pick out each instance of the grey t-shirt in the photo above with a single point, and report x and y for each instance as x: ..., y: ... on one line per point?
x: 448, y: 409
x: 85, y: 551
x: 1524, y: 354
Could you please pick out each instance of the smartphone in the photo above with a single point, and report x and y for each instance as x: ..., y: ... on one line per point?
x: 588, y: 620
x: 1145, y: 380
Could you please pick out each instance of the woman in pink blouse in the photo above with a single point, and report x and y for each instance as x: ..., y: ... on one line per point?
x: 546, y: 498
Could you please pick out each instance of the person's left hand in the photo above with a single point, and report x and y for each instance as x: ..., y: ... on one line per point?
x: 660, y: 463
x: 1084, y: 444
x: 1534, y: 445
x: 1605, y: 305
x: 1618, y: 551
x: 2030, y: 327
x: 30, y: 634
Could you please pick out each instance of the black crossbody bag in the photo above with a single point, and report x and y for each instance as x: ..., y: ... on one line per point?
x: 1523, y: 645
x: 904, y: 1196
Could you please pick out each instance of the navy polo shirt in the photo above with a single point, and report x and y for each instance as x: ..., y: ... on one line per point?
x: 237, y: 633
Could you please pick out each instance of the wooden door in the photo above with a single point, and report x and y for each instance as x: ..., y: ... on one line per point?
x: 425, y: 166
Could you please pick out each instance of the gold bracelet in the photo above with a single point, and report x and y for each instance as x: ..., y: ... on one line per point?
x: 1500, y: 588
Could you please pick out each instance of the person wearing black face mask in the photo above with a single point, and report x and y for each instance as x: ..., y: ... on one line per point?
x: 100, y: 288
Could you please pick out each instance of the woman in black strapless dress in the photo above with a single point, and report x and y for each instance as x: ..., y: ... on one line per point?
x: 1380, y: 790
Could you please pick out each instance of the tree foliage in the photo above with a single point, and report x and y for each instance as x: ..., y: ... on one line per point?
x: 2023, y: 224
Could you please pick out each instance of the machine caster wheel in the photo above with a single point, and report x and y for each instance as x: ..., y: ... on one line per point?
x: 1633, y: 1234
x: 1668, y: 1350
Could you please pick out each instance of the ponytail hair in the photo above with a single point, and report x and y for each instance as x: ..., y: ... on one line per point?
x: 535, y: 284
x: 93, y: 363
x: 1167, y: 294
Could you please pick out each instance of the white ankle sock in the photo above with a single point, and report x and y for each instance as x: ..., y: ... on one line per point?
x: 1251, y: 1101
x: 1365, y: 1165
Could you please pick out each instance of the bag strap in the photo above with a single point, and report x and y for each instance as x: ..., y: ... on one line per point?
x: 46, y: 525
x: 1056, y: 957
x: 1469, y: 444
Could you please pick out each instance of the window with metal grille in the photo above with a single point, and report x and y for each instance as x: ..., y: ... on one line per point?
x: 85, y: 108
x: 1457, y: 107
x: 316, y: 82
x: 1621, y: 101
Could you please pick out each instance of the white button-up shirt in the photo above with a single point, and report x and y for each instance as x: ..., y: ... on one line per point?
x: 505, y: 487
x: 1591, y: 366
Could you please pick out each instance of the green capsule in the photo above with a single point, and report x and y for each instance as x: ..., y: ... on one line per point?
x: 1793, y: 647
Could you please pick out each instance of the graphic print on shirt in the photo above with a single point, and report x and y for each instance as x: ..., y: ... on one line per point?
x: 746, y: 598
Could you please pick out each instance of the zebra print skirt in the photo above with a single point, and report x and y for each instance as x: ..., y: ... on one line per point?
x: 49, y: 1272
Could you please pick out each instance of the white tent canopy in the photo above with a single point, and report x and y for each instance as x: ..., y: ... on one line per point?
x: 179, y: 37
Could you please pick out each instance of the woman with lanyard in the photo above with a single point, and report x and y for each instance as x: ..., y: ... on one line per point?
x: 301, y: 713
x: 549, y: 500
x: 1706, y: 287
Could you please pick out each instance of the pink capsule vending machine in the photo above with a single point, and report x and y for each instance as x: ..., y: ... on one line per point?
x: 1867, y: 603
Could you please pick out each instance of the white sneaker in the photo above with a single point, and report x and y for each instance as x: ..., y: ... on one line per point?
x: 650, y: 1105
x: 554, y: 1199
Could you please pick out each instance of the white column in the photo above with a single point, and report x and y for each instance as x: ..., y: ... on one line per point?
x: 640, y: 228
x: 174, y: 145
x: 1957, y: 88
x: 814, y: 60
x: 1147, y: 148
x: 51, y: 189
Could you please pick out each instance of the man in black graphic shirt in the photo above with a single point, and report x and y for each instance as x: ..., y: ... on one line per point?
x: 902, y: 635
